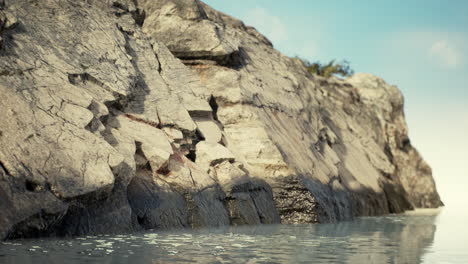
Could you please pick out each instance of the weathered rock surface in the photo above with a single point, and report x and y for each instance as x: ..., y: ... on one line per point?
x: 125, y: 115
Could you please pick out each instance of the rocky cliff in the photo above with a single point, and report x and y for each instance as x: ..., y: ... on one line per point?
x: 137, y: 114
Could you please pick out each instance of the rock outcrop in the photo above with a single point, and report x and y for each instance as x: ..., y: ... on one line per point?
x: 127, y: 115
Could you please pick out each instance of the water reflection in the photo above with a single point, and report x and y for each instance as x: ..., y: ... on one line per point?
x: 393, y: 239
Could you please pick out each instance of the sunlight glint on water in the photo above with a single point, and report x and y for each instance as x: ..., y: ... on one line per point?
x: 390, y: 239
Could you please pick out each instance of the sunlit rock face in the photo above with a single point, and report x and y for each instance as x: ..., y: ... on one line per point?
x: 123, y: 115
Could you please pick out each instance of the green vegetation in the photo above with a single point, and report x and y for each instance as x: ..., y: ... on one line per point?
x: 327, y: 70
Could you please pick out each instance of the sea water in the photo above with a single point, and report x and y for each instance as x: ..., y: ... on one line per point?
x: 424, y: 236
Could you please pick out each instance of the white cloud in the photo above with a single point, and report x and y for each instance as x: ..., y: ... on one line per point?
x: 444, y: 53
x: 440, y: 49
x: 269, y: 25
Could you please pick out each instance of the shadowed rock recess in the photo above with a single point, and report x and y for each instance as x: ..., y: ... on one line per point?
x: 126, y: 115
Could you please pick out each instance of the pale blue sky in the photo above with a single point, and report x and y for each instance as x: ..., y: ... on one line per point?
x: 420, y: 45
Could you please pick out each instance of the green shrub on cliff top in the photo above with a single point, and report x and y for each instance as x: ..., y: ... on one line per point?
x: 329, y: 69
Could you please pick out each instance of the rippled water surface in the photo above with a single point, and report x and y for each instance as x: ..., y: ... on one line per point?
x: 390, y: 239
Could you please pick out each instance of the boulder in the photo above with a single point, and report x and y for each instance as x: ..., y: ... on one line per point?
x: 210, y: 154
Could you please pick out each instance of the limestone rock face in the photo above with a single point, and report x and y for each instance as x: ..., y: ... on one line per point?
x: 126, y: 115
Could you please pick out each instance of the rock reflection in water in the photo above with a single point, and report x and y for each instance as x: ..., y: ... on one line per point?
x: 393, y: 239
